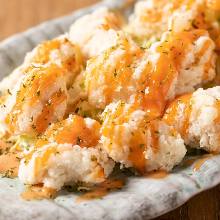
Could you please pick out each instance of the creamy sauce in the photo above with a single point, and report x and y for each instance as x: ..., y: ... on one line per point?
x: 136, y: 156
x: 38, y: 192
x: 42, y: 160
x: 160, y: 174
x: 187, y: 101
x: 179, y: 3
x: 9, y: 161
x: 188, y: 162
x: 48, y: 111
x: 40, y: 79
x: 207, y: 68
x: 138, y: 145
x: 154, y: 129
x: 214, y: 4
x: 204, y: 48
x: 32, y: 92
x: 114, y: 129
x: 42, y: 55
x: 9, y: 164
x: 171, y: 116
x: 159, y: 77
x: 101, y: 190
x: 158, y: 80
x: 74, y: 131
x: 200, y: 21
x: 217, y: 106
x: 114, y: 76
x: 152, y: 16
x: 44, y: 51
x: 199, y: 163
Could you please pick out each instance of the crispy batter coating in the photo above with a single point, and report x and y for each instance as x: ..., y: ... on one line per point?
x: 131, y: 140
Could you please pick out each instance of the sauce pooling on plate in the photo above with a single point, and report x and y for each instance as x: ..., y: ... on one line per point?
x: 9, y: 161
x: 199, y: 162
x: 38, y: 192
x: 160, y: 174
x: 101, y: 190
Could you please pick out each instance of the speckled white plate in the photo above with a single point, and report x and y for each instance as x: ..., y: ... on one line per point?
x: 141, y: 198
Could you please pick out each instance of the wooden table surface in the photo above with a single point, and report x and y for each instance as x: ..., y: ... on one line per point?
x: 18, y: 15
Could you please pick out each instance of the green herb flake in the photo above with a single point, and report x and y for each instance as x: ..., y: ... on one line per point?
x: 78, y: 140
x: 38, y: 93
x: 141, y: 146
x: 9, y: 92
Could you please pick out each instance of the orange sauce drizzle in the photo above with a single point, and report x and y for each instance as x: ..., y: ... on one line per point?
x: 42, y: 55
x: 160, y: 174
x: 43, y: 51
x: 158, y: 82
x: 101, y: 190
x: 179, y: 3
x: 217, y: 78
x: 38, y: 192
x: 209, y: 63
x: 9, y: 161
x: 178, y: 43
x: 9, y: 164
x: 41, y: 161
x: 203, y: 49
x: 123, y: 70
x: 173, y: 110
x: 187, y: 101
x: 161, y: 75
x: 137, y: 140
x: 198, y: 163
x: 214, y: 4
x: 73, y: 131
x: 200, y: 22
x: 207, y: 67
x: 31, y: 91
x: 217, y: 106
x: 154, y: 15
x: 188, y: 162
x: 116, y: 75
x: 136, y: 155
x: 171, y: 113
x: 138, y: 145
x: 154, y: 129
x: 49, y: 108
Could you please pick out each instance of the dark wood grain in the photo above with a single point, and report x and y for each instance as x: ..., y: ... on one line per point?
x: 204, y: 206
x: 18, y: 15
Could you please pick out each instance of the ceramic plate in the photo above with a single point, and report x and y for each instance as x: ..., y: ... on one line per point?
x: 141, y: 198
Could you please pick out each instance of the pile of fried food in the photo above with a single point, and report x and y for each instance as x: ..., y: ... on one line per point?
x: 109, y: 92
